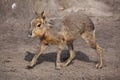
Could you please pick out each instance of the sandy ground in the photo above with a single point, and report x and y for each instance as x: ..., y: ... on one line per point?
x: 17, y: 50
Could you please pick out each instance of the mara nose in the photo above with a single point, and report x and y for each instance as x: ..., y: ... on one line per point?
x: 29, y: 33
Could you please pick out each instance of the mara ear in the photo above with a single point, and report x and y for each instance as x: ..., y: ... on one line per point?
x: 35, y: 13
x: 43, y: 15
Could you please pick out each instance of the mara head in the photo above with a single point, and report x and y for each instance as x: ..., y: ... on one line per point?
x: 37, y: 27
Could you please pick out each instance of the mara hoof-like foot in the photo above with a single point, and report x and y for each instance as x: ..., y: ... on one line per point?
x: 30, y: 66
x: 60, y: 65
x: 99, y: 66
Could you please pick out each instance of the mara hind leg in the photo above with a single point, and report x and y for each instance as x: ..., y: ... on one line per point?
x: 90, y: 39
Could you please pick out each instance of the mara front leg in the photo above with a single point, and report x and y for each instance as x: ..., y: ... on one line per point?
x: 33, y: 62
x: 58, y: 62
x: 72, y: 54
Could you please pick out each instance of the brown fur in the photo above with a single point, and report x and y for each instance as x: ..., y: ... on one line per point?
x: 64, y: 31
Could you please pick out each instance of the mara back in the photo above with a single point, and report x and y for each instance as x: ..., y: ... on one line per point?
x: 72, y: 25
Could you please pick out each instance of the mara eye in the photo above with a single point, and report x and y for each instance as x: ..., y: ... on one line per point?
x: 38, y: 25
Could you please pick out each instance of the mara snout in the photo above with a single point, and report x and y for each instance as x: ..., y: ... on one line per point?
x: 62, y: 32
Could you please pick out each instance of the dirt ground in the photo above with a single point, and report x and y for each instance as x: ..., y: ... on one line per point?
x: 17, y: 50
